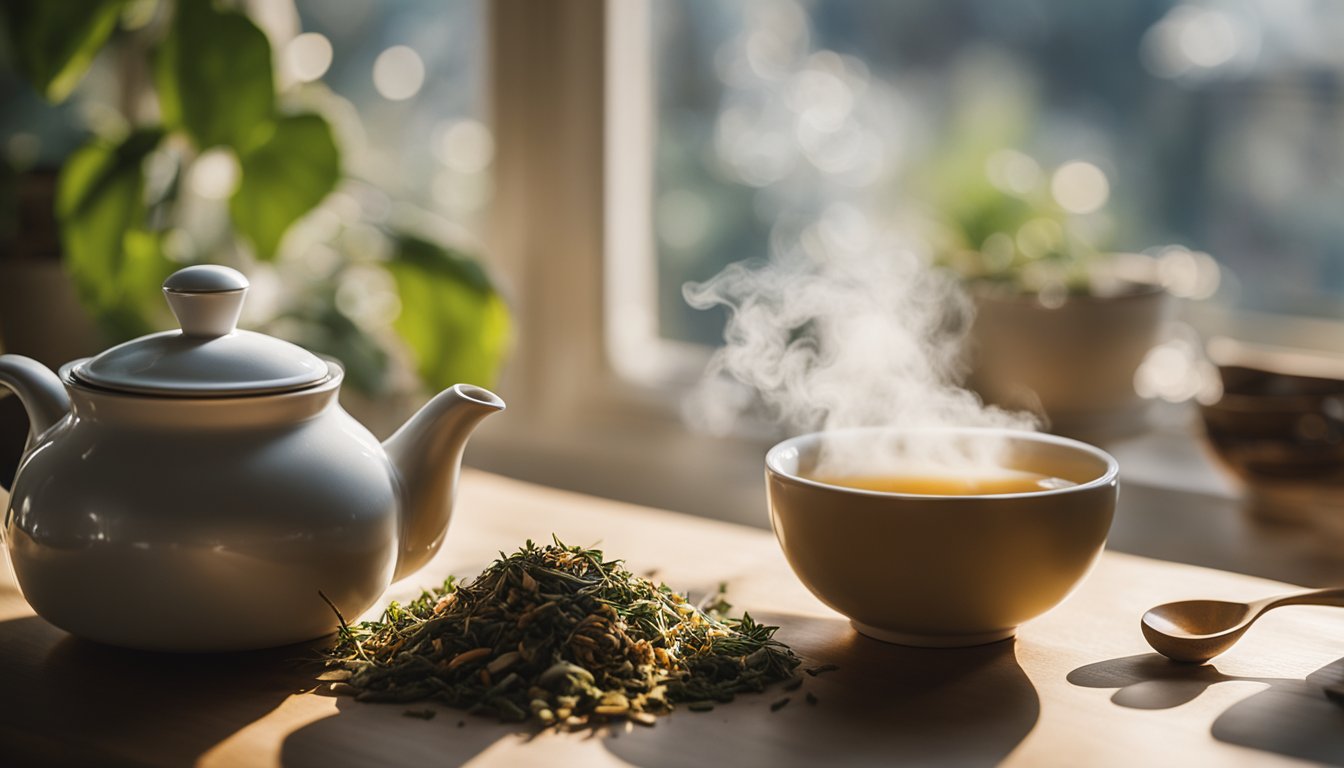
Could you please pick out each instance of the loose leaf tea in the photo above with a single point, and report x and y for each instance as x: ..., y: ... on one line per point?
x: 561, y: 636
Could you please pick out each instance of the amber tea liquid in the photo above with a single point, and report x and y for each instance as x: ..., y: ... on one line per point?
x: 950, y: 485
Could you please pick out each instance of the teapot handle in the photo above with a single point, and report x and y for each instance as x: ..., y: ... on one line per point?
x: 41, y: 392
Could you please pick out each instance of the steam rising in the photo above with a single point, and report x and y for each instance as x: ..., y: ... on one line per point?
x: 847, y: 339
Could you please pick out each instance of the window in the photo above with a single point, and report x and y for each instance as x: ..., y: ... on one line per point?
x: 411, y: 74
x: 1213, y: 125
x: 1210, y: 126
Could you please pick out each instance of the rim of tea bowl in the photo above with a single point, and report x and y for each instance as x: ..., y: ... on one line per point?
x: 1067, y: 527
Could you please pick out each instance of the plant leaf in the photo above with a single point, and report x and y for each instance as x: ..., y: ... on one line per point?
x: 284, y: 177
x: 114, y: 258
x: 213, y: 76
x: 455, y: 323
x: 55, y: 42
x: 319, y: 326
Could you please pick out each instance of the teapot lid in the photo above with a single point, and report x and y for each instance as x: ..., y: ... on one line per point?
x: 208, y: 356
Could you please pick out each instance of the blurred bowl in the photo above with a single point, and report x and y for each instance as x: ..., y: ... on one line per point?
x: 1279, y: 424
x: 942, y: 571
x: 1072, y: 362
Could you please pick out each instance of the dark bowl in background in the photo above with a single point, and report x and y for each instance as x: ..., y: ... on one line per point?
x: 1272, y: 426
x: 1281, y: 431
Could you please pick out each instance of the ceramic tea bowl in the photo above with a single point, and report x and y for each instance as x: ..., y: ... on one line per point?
x: 1271, y: 427
x: 942, y: 571
x: 1279, y: 428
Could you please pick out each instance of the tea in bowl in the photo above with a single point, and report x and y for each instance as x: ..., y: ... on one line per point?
x: 920, y: 555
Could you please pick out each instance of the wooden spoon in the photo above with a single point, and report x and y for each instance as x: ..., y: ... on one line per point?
x: 1198, y: 630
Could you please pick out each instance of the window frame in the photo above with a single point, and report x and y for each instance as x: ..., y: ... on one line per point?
x: 569, y: 231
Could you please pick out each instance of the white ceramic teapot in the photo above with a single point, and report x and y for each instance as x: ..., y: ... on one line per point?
x: 194, y: 490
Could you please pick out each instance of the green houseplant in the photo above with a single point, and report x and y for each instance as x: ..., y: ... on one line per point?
x: 205, y: 70
x: 1062, y: 323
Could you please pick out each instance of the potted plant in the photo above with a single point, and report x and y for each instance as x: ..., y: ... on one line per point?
x: 201, y: 158
x: 1062, y: 325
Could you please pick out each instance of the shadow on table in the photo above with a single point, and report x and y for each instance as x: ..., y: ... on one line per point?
x: 59, y: 690
x: 1290, y: 717
x: 383, y: 735
x: 885, y: 705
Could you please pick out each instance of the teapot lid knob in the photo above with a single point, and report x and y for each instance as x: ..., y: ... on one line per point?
x: 207, y: 299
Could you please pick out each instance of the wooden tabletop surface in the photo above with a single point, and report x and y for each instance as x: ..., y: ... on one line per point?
x: 1077, y: 687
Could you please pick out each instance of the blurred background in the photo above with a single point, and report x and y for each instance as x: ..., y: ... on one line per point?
x: 1211, y: 126
x: 335, y: 153
x: 514, y: 194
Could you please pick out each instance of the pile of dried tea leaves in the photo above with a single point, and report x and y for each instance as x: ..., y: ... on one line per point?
x: 562, y: 636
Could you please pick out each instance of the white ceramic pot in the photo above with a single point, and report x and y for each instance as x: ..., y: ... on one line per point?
x: 1072, y: 363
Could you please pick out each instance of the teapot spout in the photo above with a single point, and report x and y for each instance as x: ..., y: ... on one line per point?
x: 41, y: 392
x: 427, y: 455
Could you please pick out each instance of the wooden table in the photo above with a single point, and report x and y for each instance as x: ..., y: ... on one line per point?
x: 1077, y: 687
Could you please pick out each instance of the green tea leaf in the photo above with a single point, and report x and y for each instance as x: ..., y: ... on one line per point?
x: 213, y: 76
x: 54, y: 42
x: 115, y: 259
x: 284, y: 176
x: 455, y: 323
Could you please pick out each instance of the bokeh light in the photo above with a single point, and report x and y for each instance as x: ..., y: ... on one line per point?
x: 1210, y: 40
x: 1080, y: 187
x: 1012, y: 171
x: 465, y: 146
x: 1188, y: 274
x: 1177, y: 370
x: 398, y: 73
x: 215, y: 174
x: 1191, y: 42
x: 307, y: 57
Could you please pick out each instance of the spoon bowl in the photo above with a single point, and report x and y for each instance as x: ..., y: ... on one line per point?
x: 1195, y: 631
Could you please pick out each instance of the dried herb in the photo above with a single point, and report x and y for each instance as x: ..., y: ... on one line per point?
x: 561, y: 636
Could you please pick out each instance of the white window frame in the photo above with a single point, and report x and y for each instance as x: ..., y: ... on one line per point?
x: 637, y: 351
x: 591, y: 408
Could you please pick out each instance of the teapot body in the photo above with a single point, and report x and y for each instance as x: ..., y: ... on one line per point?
x: 202, y: 489
x: 203, y: 524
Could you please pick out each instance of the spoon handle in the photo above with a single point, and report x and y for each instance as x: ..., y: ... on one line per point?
x: 1332, y: 596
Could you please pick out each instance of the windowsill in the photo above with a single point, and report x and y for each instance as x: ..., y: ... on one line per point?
x: 644, y: 455
x: 648, y: 458
x: 1175, y: 504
